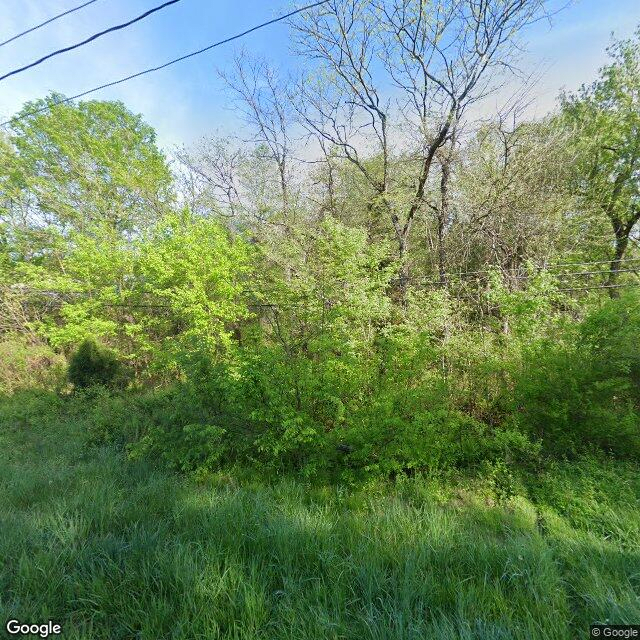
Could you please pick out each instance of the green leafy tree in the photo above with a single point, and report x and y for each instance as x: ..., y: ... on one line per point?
x: 169, y: 301
x: 189, y: 280
x: 605, y: 117
x: 79, y: 183
x: 82, y: 166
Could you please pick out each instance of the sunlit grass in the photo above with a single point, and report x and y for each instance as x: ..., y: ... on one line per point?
x: 113, y: 549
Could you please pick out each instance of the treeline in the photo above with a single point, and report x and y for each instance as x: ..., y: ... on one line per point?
x: 426, y: 292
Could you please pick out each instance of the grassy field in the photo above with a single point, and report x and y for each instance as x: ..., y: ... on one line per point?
x: 115, y: 549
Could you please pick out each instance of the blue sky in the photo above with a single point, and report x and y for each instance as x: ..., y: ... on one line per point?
x: 188, y: 100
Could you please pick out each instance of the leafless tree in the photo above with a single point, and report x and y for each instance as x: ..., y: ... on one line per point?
x: 210, y: 177
x: 411, y: 68
x: 515, y: 195
x: 262, y: 97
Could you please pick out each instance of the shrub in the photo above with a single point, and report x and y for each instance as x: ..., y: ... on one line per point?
x: 501, y: 481
x: 193, y: 448
x: 93, y: 364
x: 26, y: 364
x: 582, y: 389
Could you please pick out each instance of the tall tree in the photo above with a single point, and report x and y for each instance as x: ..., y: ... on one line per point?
x: 76, y: 167
x: 516, y: 195
x: 262, y: 99
x: 605, y: 118
x: 403, y: 70
x: 74, y: 176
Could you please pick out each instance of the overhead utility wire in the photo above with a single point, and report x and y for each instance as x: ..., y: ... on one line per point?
x: 541, y: 267
x: 560, y: 274
x: 579, y: 264
x: 270, y: 305
x: 95, y: 36
x: 46, y: 22
x: 168, y: 64
x: 603, y: 286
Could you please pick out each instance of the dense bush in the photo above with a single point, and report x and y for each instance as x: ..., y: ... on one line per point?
x: 93, y: 364
x: 384, y: 401
x: 26, y: 364
x: 583, y: 388
x: 396, y: 402
x: 404, y: 305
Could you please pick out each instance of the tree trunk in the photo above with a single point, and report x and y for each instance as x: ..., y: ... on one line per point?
x: 443, y: 219
x: 622, y: 231
x: 622, y: 241
x: 403, y: 281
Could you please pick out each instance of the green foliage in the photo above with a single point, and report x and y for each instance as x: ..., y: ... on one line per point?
x: 168, y: 300
x: 93, y: 364
x: 286, y: 561
x: 193, y: 270
x: 193, y: 448
x: 286, y: 344
x: 604, y: 119
x: 501, y: 481
x: 581, y: 389
x: 274, y: 322
x: 606, y: 116
x: 26, y: 364
x: 87, y: 166
x: 390, y: 411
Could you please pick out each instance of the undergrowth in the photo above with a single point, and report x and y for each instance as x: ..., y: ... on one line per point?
x: 122, y: 549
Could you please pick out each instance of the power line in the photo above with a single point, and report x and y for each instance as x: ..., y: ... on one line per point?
x: 603, y: 286
x: 46, y: 22
x: 547, y: 267
x: 95, y: 36
x: 571, y: 274
x: 580, y: 264
x: 168, y: 64
x: 561, y: 274
x: 277, y: 306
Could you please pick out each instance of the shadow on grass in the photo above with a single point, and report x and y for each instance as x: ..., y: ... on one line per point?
x: 119, y: 550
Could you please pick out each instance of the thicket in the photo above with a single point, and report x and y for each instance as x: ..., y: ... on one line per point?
x: 393, y: 411
x: 383, y: 312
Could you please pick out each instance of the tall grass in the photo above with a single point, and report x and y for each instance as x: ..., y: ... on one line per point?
x: 116, y: 549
